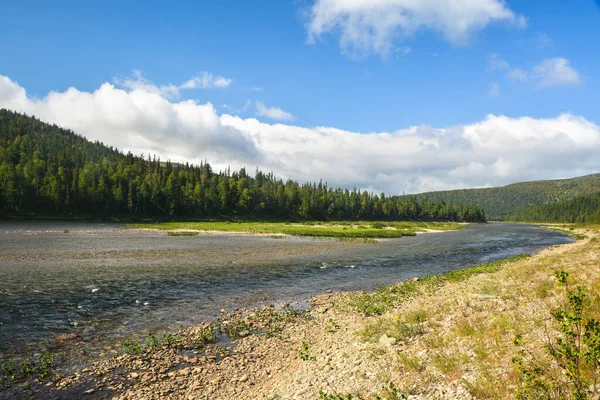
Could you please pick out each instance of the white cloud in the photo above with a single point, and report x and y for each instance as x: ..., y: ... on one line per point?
x: 555, y: 72
x: 498, y: 64
x: 494, y: 89
x: 205, y: 80
x: 272, y: 112
x: 548, y: 73
x: 495, y: 151
x: 373, y: 25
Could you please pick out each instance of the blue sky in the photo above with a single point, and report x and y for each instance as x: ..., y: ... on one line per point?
x: 522, y: 59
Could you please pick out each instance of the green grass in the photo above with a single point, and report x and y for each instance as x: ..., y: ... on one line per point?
x: 385, y: 297
x: 336, y: 229
x: 184, y: 233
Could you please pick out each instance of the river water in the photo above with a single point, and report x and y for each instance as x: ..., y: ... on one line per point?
x: 104, y: 282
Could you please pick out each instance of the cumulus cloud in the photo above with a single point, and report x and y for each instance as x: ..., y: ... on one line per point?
x: 555, y: 72
x: 548, y: 73
x: 272, y: 112
x: 374, y: 25
x: 205, y: 80
x: 495, y: 151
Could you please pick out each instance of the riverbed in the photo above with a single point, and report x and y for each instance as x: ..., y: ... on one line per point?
x: 103, y: 283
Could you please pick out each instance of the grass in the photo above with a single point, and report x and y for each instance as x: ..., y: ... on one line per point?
x: 386, y: 297
x: 182, y: 233
x: 335, y: 229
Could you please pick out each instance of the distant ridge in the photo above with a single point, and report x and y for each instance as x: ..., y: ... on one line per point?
x: 500, y: 202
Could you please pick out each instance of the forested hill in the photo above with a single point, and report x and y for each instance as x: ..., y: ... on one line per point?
x: 582, y: 209
x: 500, y: 202
x: 48, y: 170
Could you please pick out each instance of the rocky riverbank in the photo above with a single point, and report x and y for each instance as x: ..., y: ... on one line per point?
x: 448, y: 337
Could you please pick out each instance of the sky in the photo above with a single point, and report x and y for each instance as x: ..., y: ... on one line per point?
x: 401, y: 96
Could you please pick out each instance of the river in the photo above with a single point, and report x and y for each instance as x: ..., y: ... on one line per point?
x: 104, y: 282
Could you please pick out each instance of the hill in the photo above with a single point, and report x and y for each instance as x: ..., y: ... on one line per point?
x: 47, y: 170
x: 581, y: 209
x: 500, y: 202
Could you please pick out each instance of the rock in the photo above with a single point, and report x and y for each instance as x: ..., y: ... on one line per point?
x: 244, y: 378
x: 68, y: 336
x: 89, y: 391
x: 387, y: 341
x: 134, y: 375
x: 191, y: 360
x: 486, y: 297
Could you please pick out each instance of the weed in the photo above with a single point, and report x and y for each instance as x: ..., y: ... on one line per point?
x: 236, y: 328
x: 208, y: 335
x: 574, y: 354
x: 171, y: 341
x: 331, y: 326
x: 304, y: 354
x: 182, y: 233
x: 329, y: 396
x: 151, y: 342
x: 47, y: 365
x: 131, y: 347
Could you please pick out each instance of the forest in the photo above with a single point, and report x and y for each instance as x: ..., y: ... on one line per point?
x: 501, y: 202
x: 582, y: 209
x: 46, y: 170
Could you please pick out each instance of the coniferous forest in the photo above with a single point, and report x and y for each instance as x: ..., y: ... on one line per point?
x: 507, y: 202
x: 582, y: 209
x: 46, y: 170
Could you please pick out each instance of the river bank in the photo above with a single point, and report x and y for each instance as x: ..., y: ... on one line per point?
x: 430, y: 338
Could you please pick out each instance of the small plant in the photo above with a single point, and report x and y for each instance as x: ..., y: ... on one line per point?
x: 47, y: 365
x: 27, y: 368
x: 9, y: 370
x: 329, y: 396
x: 574, y: 354
x: 171, y: 341
x: 331, y: 326
x: 151, y: 341
x: 237, y: 328
x: 131, y: 347
x: 66, y: 231
x: 208, y: 335
x: 304, y: 354
x: 390, y: 392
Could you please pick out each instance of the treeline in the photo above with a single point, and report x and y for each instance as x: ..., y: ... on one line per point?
x: 498, y: 203
x: 45, y: 169
x: 583, y: 209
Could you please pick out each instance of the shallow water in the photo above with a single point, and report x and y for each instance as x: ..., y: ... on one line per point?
x: 104, y: 282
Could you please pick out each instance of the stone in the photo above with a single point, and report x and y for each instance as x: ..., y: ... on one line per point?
x: 244, y: 378
x: 387, y: 341
x: 134, y: 375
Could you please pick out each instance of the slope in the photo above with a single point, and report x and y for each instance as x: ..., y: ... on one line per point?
x: 500, y: 202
